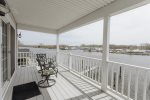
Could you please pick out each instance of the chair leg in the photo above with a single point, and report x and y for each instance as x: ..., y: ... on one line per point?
x: 39, y: 71
x: 48, y: 81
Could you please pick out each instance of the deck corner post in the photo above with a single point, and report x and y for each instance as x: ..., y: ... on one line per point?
x: 57, y: 49
x: 70, y: 61
x: 105, y: 54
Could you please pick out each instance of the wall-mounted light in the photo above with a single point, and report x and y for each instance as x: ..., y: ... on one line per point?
x: 19, y: 35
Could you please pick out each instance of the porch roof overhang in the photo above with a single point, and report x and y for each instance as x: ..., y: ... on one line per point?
x: 58, y: 16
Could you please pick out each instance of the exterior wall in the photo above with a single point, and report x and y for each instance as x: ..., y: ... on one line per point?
x: 10, y: 21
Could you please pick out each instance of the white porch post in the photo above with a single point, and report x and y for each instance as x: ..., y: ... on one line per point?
x: 57, y: 49
x: 105, y: 55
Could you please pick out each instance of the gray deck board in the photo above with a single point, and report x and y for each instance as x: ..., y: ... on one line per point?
x: 67, y: 86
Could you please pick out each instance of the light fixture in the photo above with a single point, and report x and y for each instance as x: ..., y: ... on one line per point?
x: 19, y: 35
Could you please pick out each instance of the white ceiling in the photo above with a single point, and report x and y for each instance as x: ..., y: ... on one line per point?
x: 52, y: 14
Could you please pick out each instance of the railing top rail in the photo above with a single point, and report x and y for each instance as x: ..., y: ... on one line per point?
x: 85, y: 57
x: 80, y: 56
x: 123, y: 64
x: 23, y: 52
x: 128, y: 65
x: 64, y: 53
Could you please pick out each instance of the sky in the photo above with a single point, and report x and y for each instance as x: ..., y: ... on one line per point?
x: 128, y: 28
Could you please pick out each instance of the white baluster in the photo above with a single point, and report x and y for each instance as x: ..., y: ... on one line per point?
x: 145, y: 85
x: 122, y: 77
x: 117, y: 77
x: 129, y: 83
x: 70, y: 62
x: 136, y: 84
x: 112, y: 77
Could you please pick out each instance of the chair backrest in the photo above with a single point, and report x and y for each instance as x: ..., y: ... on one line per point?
x: 41, y: 56
x: 41, y: 60
x: 52, y: 63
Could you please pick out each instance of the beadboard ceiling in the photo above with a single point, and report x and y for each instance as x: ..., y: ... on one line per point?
x: 53, y: 14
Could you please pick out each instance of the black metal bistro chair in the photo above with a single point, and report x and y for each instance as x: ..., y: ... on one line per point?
x: 46, y: 71
x: 52, y: 64
x: 41, y: 61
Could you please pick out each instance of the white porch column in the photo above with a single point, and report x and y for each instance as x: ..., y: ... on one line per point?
x: 57, y: 49
x: 105, y: 56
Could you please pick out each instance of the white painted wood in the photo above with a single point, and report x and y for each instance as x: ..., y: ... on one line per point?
x: 116, y: 7
x: 95, y: 71
x: 114, y: 66
x: 36, y: 28
x: 117, y: 77
x: 67, y: 87
x: 145, y: 85
x: 99, y: 77
x: 88, y: 62
x: 53, y: 14
x: 70, y: 61
x: 57, y: 49
x: 92, y: 65
x: 105, y: 55
x: 122, y: 77
x: 112, y: 76
x: 136, y: 84
x: 129, y: 83
x: 84, y: 56
x: 129, y: 65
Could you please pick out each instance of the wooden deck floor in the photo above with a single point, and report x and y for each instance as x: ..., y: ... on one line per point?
x: 67, y: 87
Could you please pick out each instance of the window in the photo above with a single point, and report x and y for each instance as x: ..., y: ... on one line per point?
x: 13, y: 53
x: 4, y: 52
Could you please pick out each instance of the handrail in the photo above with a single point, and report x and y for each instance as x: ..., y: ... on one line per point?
x: 81, y: 56
x: 129, y: 65
x: 85, y: 57
x: 29, y: 58
x: 124, y: 64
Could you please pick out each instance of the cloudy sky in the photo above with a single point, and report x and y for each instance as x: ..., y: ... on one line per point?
x: 132, y: 27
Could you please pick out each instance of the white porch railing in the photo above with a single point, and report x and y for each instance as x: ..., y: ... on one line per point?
x: 29, y: 58
x: 86, y: 66
x: 127, y: 81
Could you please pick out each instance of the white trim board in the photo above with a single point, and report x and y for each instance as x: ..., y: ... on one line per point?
x: 36, y: 28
